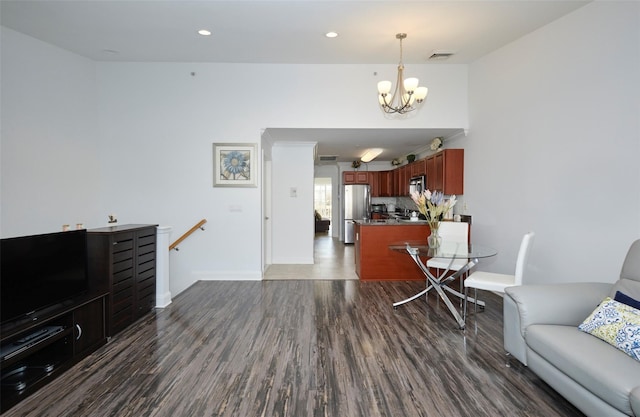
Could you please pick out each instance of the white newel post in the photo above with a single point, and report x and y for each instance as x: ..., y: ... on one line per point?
x: 163, y: 293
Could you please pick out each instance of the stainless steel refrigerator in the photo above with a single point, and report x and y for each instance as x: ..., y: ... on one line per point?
x: 357, y: 206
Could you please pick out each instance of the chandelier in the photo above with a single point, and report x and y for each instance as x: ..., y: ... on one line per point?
x: 406, y: 96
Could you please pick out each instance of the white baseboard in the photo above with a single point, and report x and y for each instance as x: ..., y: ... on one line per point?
x: 163, y: 300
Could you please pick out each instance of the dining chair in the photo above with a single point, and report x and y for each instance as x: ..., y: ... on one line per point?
x: 491, y: 281
x: 455, y: 232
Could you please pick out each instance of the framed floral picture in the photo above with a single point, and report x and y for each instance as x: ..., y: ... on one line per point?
x: 235, y: 165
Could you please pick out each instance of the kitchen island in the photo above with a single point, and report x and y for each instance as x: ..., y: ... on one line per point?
x: 373, y: 258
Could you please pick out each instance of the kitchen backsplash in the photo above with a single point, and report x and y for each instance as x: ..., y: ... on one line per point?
x: 407, y: 203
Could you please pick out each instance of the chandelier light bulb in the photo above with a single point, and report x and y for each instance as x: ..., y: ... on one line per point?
x: 410, y: 84
x: 420, y: 94
x: 384, y: 87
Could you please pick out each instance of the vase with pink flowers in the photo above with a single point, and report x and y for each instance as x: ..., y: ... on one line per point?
x: 434, y: 206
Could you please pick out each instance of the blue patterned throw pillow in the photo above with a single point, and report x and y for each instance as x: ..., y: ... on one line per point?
x: 625, y: 299
x: 617, y: 324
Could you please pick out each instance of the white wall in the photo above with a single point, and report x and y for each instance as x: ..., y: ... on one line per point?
x: 158, y: 121
x: 554, y: 143
x: 49, y: 138
x: 148, y: 157
x: 292, y: 203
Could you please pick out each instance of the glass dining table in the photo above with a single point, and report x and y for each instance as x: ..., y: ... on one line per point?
x: 419, y: 250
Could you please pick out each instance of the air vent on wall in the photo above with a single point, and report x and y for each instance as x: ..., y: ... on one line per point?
x: 440, y: 55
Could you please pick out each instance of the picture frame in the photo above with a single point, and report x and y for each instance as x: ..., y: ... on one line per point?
x: 235, y: 165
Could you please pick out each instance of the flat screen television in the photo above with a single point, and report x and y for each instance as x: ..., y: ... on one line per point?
x: 39, y: 271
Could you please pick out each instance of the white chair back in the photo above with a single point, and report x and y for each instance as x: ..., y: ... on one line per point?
x: 454, y: 231
x: 523, y: 256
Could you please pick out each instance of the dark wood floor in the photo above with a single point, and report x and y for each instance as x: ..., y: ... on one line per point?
x: 301, y: 348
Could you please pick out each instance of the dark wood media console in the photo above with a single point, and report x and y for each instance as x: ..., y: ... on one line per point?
x: 34, y: 352
x: 122, y: 289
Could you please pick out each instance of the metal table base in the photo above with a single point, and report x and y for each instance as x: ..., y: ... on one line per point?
x: 439, y: 284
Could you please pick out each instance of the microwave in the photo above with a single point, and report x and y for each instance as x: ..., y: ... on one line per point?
x: 417, y: 184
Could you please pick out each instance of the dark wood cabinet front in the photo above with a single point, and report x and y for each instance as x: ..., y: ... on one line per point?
x: 403, y: 177
x: 418, y: 168
x: 385, y: 184
x: 126, y: 257
x: 445, y: 171
x: 88, y: 327
x: 355, y: 177
x: 35, y: 352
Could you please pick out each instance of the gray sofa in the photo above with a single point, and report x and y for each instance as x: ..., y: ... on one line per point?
x: 541, y: 331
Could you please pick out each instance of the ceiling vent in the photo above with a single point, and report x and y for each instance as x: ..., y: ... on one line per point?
x: 440, y: 55
x: 327, y: 159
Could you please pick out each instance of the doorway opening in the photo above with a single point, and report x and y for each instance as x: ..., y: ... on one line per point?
x: 322, y: 197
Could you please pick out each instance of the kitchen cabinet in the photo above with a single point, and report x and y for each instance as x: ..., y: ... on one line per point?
x: 374, y: 183
x: 355, y: 177
x: 445, y: 171
x: 418, y: 168
x: 385, y: 184
x: 402, y: 180
x: 374, y: 260
x: 432, y: 172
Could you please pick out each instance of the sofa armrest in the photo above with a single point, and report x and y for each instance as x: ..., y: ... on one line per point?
x: 562, y: 304
x: 634, y: 399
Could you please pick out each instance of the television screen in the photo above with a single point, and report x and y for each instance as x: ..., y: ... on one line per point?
x: 41, y: 270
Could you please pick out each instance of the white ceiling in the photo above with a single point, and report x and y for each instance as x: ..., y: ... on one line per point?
x: 266, y: 31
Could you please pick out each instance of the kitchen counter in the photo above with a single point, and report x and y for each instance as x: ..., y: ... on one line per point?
x: 375, y: 261
x: 386, y: 222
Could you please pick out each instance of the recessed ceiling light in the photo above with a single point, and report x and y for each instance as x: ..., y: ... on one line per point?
x: 370, y: 155
x: 204, y: 32
x: 331, y: 34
